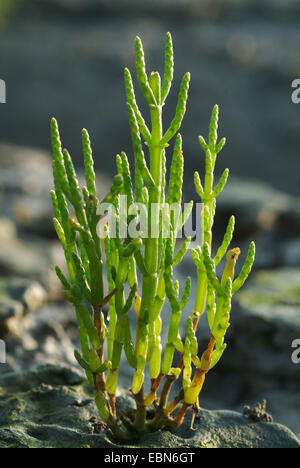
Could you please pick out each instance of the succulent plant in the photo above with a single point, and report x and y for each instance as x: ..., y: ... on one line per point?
x: 139, y: 265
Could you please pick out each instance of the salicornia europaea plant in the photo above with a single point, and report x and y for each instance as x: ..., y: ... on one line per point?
x: 145, y: 252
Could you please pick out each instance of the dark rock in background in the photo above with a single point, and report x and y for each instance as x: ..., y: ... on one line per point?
x: 66, y: 58
x: 18, y: 297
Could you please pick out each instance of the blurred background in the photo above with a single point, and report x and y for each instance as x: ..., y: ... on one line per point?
x: 65, y: 58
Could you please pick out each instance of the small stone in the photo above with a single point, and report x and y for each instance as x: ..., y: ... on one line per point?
x: 10, y: 308
x: 30, y: 293
x: 18, y: 297
x: 11, y: 312
x: 7, y: 230
x: 258, y: 412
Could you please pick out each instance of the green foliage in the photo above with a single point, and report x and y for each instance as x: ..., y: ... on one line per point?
x: 217, y: 295
x: 144, y: 263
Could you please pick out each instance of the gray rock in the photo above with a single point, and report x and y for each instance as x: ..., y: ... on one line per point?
x: 18, y: 297
x: 33, y: 258
x: 48, y: 336
x: 46, y: 374
x: 290, y: 253
x: 256, y: 206
x: 30, y: 293
x: 23, y: 170
x: 25, y: 184
x: 265, y: 321
x: 34, y: 214
x: 53, y: 407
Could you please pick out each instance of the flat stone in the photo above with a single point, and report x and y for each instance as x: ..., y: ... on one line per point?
x: 53, y: 407
x: 10, y: 308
